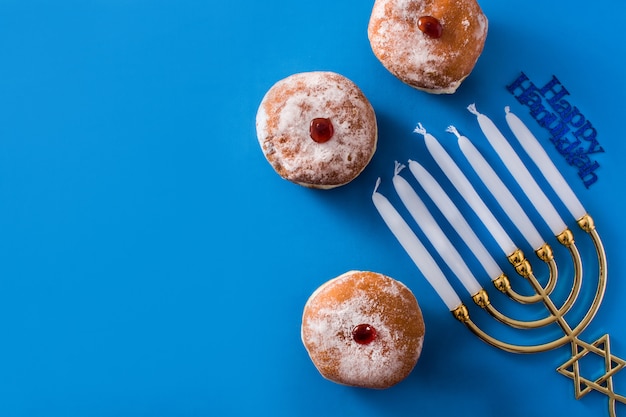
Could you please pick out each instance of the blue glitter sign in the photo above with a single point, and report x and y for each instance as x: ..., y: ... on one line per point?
x: 572, y: 134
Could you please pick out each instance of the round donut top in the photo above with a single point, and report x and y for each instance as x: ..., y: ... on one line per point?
x: 284, y: 121
x: 357, y: 298
x: 432, y: 64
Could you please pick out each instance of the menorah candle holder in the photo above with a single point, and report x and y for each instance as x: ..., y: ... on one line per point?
x: 542, y: 293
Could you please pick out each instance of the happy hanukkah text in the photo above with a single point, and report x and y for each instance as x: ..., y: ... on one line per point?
x: 572, y: 134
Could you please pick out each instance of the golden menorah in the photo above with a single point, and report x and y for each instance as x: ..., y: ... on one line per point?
x: 542, y: 293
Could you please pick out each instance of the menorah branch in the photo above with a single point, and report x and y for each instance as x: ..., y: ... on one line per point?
x: 524, y: 269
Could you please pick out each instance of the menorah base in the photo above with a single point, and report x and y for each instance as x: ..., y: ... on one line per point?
x: 571, y: 368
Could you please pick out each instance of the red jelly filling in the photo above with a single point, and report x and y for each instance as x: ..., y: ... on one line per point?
x: 364, y: 334
x: 321, y: 130
x: 430, y: 26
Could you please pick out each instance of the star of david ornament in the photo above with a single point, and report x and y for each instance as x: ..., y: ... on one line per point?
x: 603, y: 384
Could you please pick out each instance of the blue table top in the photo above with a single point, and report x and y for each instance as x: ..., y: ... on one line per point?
x: 153, y: 264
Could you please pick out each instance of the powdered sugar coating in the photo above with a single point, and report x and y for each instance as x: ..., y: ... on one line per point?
x: 354, y: 298
x: 283, y: 122
x: 434, y: 65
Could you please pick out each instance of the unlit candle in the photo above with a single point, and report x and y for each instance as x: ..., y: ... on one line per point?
x: 501, y: 193
x: 433, y: 232
x: 519, y: 171
x: 465, y: 188
x: 455, y: 218
x: 540, y: 157
x: 416, y: 250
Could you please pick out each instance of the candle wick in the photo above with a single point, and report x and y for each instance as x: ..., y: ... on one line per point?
x: 507, y: 109
x: 420, y: 129
x: 472, y: 109
x: 398, y: 167
x: 377, y: 185
x: 453, y: 130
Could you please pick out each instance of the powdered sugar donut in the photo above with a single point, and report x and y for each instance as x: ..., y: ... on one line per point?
x: 317, y: 129
x: 432, y: 45
x: 363, y: 329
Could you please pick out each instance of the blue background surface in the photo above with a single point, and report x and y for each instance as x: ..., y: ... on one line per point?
x: 153, y: 264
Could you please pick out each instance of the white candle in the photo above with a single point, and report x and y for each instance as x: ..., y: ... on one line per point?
x: 519, y: 171
x: 433, y: 232
x: 539, y: 156
x: 503, y: 196
x: 416, y: 250
x: 467, y: 191
x: 456, y: 219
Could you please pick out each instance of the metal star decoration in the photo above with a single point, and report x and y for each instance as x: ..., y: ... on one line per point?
x: 603, y: 384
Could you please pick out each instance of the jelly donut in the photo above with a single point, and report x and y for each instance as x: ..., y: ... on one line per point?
x: 432, y: 45
x: 317, y: 129
x: 363, y: 329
